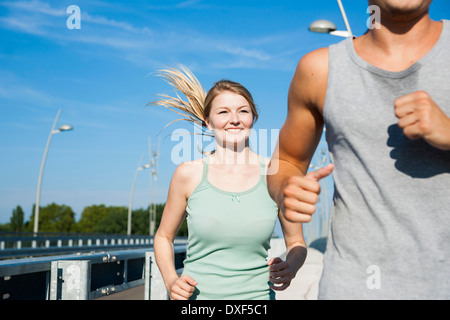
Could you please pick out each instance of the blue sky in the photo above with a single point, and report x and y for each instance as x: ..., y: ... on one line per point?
x: 100, y: 76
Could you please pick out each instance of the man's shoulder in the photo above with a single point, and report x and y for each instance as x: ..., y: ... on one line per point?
x: 316, y: 60
x: 313, y: 66
x: 310, y: 80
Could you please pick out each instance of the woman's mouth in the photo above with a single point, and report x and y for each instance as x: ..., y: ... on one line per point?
x: 233, y: 130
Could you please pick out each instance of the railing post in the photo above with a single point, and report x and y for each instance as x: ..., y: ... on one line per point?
x: 154, y: 283
x: 70, y: 280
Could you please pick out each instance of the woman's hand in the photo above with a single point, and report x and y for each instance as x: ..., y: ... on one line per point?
x: 279, y: 274
x: 182, y: 288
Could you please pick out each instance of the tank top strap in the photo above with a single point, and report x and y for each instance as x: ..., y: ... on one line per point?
x: 262, y: 165
x: 205, y: 168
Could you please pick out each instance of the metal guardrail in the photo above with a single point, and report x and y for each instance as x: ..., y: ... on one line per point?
x: 29, y: 245
x: 92, y: 275
x: 84, y: 276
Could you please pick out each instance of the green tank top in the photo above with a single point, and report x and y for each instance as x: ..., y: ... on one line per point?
x: 229, y: 237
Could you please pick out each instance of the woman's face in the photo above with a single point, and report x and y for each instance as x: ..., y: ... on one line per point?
x: 231, y: 119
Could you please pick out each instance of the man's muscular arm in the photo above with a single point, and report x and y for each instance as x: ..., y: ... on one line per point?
x: 296, y: 192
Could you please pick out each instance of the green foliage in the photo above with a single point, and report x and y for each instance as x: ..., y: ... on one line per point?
x: 16, y: 222
x: 94, y: 219
x: 114, y: 222
x: 54, y: 218
x: 90, y: 218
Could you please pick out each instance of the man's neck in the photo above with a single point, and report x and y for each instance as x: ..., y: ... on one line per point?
x: 398, y: 44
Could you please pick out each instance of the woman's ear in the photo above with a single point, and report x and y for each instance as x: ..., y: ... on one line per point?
x: 208, y: 125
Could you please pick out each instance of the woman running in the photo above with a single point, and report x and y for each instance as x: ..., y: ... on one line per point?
x: 224, y: 198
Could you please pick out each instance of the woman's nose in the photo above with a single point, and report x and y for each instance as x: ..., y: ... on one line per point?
x: 234, y: 118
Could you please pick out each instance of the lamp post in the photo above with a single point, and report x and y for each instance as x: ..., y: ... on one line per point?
x: 139, y: 168
x: 325, y: 26
x: 62, y: 128
x: 154, y: 157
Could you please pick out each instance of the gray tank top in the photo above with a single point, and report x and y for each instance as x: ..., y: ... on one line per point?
x: 390, y: 223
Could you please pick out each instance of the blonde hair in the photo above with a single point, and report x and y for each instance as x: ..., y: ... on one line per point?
x: 198, y: 105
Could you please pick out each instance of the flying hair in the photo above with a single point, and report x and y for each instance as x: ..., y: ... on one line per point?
x: 184, y: 82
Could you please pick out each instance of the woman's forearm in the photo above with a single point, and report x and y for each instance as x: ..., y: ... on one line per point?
x: 164, y: 254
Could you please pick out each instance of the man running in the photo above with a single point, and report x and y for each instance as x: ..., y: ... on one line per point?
x: 384, y: 98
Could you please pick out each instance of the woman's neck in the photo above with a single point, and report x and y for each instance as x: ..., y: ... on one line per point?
x: 233, y: 156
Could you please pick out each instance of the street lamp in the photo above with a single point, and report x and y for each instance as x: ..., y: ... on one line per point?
x: 325, y: 26
x: 139, y: 168
x: 62, y: 128
x: 154, y: 157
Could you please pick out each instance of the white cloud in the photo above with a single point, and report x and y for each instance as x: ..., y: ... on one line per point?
x: 23, y: 24
x: 113, y: 23
x: 11, y: 90
x: 188, y: 3
x: 34, y: 6
x: 256, y: 54
x: 143, y: 46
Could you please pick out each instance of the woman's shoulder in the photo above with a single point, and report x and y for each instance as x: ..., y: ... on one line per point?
x: 189, y: 174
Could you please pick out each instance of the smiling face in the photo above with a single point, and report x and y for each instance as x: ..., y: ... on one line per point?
x: 231, y: 119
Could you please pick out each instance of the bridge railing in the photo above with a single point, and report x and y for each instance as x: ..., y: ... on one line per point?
x: 87, y: 276
x: 17, y: 245
x: 84, y: 276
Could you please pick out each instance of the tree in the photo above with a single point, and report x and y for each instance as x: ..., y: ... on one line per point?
x: 16, y: 221
x: 140, y: 221
x: 94, y: 219
x: 182, y: 232
x: 114, y: 222
x: 101, y: 219
x: 90, y: 218
x: 55, y: 218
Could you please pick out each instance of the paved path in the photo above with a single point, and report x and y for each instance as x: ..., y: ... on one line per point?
x: 305, y: 285
x: 130, y: 294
